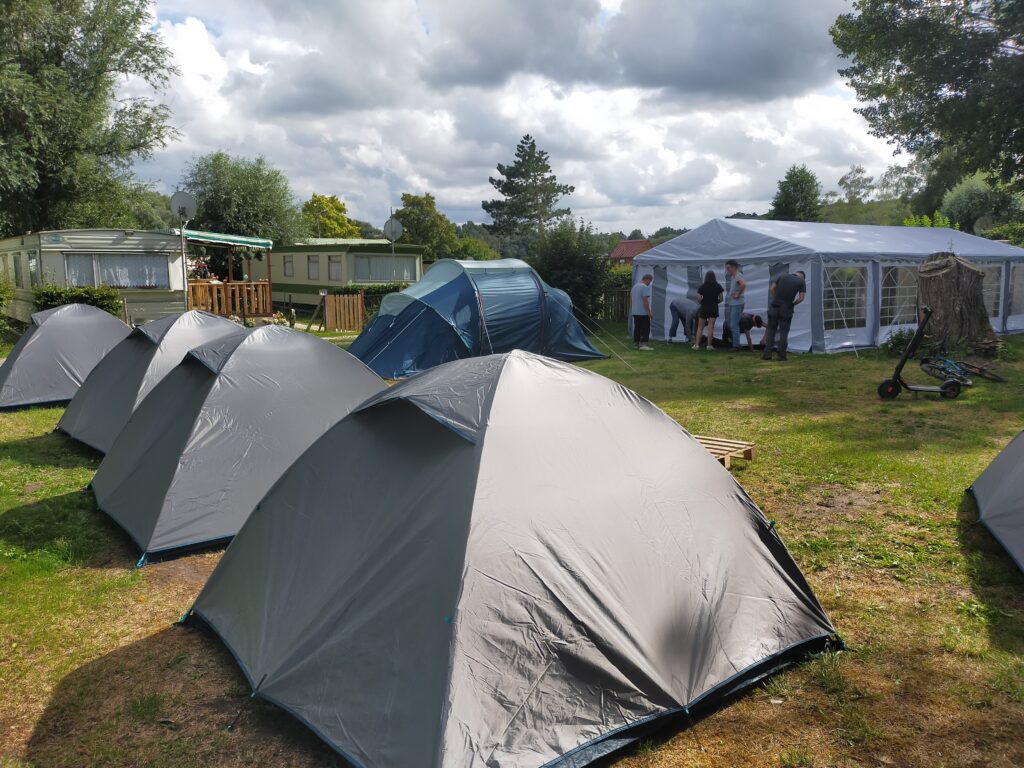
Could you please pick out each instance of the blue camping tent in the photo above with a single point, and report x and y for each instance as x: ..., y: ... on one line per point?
x: 467, y: 308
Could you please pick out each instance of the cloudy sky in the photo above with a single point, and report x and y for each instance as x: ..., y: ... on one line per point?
x: 659, y: 112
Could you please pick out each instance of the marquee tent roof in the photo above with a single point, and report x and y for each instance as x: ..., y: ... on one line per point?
x: 999, y: 492
x: 56, y: 354
x: 464, y: 309
x: 116, y: 387
x: 560, y: 566
x: 212, y: 437
x: 748, y: 240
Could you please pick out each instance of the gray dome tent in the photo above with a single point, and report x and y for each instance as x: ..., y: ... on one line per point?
x: 999, y: 492
x: 520, y: 562
x: 116, y: 387
x: 208, y: 442
x: 56, y: 353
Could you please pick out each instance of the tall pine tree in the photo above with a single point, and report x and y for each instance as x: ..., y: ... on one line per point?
x: 529, y: 193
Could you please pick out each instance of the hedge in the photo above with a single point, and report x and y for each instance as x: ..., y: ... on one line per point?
x: 104, y: 297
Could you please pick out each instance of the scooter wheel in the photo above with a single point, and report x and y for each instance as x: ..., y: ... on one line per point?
x: 950, y: 389
x: 890, y: 389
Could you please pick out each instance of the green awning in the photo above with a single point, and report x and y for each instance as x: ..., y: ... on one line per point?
x: 217, y: 238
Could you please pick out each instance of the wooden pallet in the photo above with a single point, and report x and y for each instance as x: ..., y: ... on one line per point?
x: 727, y: 450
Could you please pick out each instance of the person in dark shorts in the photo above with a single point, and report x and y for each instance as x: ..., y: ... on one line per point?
x: 784, y: 294
x: 747, y: 323
x: 709, y: 296
x: 640, y: 309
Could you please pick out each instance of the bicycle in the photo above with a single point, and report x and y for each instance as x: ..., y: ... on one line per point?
x: 945, y: 368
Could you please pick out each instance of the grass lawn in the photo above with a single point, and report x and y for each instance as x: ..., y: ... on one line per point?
x: 868, y: 495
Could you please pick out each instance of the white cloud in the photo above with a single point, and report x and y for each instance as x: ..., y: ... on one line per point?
x: 369, y: 100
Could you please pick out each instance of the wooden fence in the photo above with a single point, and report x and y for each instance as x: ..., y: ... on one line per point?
x: 345, y: 312
x: 248, y: 299
x: 615, y: 305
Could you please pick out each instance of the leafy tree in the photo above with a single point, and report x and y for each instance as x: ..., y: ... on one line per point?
x: 241, y: 196
x: 636, y: 234
x: 890, y: 212
x: 924, y: 220
x: 65, y: 133
x: 665, y: 234
x: 977, y: 199
x: 425, y: 225
x: 529, y: 192
x: 480, y: 232
x: 327, y: 216
x: 798, y: 197
x: 368, y: 231
x: 569, y: 257
x: 118, y: 201
x: 1014, y: 232
x: 902, y: 182
x: 474, y: 249
x: 742, y: 215
x: 941, y: 75
x: 857, y: 185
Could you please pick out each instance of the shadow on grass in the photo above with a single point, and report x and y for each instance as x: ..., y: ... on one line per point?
x: 53, y: 449
x: 70, y: 528
x: 997, y: 583
x: 164, y: 701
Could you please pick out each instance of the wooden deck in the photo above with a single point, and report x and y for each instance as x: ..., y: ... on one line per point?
x: 727, y: 450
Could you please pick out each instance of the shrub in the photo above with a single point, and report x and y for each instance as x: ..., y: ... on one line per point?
x: 373, y: 294
x: 1014, y: 232
x: 103, y: 297
x: 620, y: 277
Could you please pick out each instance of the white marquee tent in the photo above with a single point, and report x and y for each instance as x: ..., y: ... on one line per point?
x: 861, y: 279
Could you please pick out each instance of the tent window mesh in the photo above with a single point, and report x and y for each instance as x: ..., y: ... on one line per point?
x: 334, y: 267
x: 899, y: 296
x: 846, y: 297
x: 288, y: 263
x: 990, y: 287
x: 313, y: 266
x: 1016, y: 297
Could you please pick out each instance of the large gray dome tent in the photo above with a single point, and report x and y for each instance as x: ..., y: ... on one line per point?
x: 861, y: 279
x: 211, y: 438
x: 118, y: 385
x: 999, y: 492
x: 519, y: 563
x: 56, y: 354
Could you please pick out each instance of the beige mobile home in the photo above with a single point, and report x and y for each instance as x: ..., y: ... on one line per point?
x: 300, y: 271
x: 145, y: 267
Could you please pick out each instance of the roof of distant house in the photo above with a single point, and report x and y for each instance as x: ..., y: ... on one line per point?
x: 627, y: 249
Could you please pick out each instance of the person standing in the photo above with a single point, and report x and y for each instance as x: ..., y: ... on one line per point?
x: 710, y: 296
x: 640, y: 309
x: 784, y: 294
x: 683, y: 309
x: 734, y: 301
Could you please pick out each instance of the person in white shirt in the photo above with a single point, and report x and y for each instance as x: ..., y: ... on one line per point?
x: 640, y: 309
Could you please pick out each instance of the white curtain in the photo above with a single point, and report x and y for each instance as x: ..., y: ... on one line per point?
x: 385, y: 269
x: 133, y: 270
x: 79, y: 266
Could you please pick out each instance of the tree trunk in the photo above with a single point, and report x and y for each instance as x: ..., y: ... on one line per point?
x: 953, y: 288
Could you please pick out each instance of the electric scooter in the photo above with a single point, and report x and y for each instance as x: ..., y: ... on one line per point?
x: 890, y: 388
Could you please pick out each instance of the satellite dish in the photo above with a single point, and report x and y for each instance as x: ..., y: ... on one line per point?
x: 393, y: 229
x: 183, y: 205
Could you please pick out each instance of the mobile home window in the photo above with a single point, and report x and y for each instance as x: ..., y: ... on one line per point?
x: 34, y: 268
x: 19, y: 275
x: 334, y: 267
x: 313, y: 266
x: 79, y: 269
x: 289, y: 265
x: 118, y: 270
x: 385, y: 269
x: 899, y: 296
x: 846, y: 297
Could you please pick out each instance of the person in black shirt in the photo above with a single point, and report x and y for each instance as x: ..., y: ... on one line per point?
x: 709, y: 296
x: 748, y: 322
x: 784, y: 294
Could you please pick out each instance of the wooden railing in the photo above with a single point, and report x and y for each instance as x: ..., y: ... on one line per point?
x: 248, y: 299
x: 346, y: 312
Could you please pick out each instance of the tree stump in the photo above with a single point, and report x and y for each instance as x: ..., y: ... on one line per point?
x: 953, y: 288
